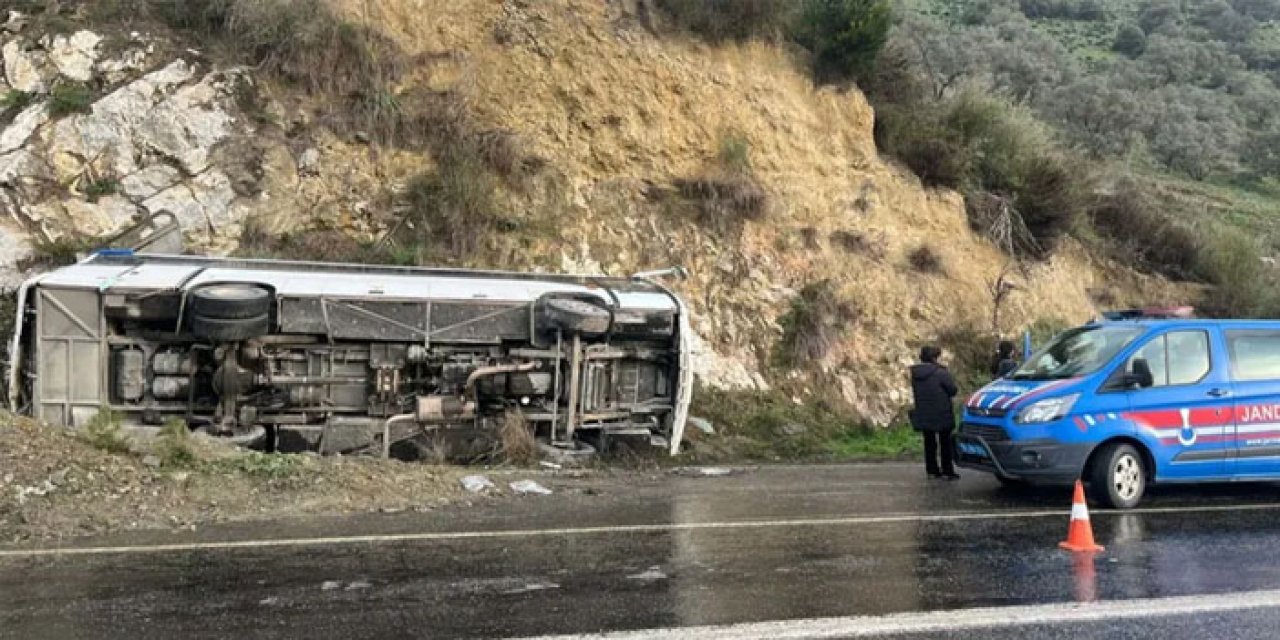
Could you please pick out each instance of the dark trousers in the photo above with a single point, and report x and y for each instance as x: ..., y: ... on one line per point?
x: 934, y: 440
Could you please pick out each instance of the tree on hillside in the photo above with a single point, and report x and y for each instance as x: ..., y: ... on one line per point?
x: 1195, y: 132
x: 1102, y: 117
x: 844, y: 36
x: 944, y: 54
x: 1180, y: 61
x: 1130, y: 41
x: 1025, y: 63
x: 1160, y: 15
x: 1261, y: 10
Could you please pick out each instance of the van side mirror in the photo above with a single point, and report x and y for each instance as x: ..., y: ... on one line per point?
x: 1141, y: 376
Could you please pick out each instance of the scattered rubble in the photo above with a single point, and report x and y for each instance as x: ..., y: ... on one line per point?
x: 703, y: 425
x: 477, y: 484
x: 56, y: 485
x: 529, y: 487
x: 652, y: 574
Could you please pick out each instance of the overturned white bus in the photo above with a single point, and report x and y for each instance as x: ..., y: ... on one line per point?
x: 351, y: 358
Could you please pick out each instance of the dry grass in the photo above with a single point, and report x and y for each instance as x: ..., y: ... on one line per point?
x: 518, y: 445
x: 317, y: 245
x: 859, y: 243
x: 718, y: 20
x: 726, y: 202
x: 814, y: 325
x: 968, y: 350
x: 455, y: 208
x: 925, y: 260
x: 1136, y: 227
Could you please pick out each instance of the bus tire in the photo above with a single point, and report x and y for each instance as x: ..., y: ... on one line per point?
x: 230, y: 301
x: 229, y: 330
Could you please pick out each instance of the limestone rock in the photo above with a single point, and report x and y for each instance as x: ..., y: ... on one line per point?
x: 14, y: 249
x: 22, y: 166
x: 27, y: 70
x: 108, y: 132
x: 19, y: 131
x: 15, y: 22
x: 202, y: 206
x: 75, y: 55
x: 149, y: 181
x: 107, y: 215
x: 309, y: 162
x: 187, y: 126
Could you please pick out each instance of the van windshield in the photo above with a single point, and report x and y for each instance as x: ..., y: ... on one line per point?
x: 1077, y: 352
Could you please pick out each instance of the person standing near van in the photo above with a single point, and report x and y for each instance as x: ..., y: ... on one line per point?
x: 933, y: 389
x: 1003, y: 363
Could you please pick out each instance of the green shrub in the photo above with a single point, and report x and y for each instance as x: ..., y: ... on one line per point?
x: 300, y: 40
x: 844, y: 36
x: 813, y: 325
x: 1130, y: 41
x: 173, y: 444
x: 101, y: 187
x: 718, y: 20
x: 103, y: 431
x: 16, y: 100
x: 769, y: 425
x: 456, y: 207
x: 1018, y: 185
x: 1136, y: 227
x: 1243, y: 286
x: 967, y: 351
x: 69, y: 98
x: 735, y: 153
x: 268, y: 466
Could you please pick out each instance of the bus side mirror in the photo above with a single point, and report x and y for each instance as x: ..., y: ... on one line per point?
x: 1141, y: 376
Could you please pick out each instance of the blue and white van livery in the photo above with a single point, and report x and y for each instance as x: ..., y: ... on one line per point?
x: 1124, y: 403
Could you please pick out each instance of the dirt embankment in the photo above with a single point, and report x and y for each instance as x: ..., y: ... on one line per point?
x: 55, y: 483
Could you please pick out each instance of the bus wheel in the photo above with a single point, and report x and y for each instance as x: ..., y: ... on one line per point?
x: 1118, y: 476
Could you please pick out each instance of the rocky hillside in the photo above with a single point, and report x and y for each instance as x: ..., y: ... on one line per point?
x: 818, y: 266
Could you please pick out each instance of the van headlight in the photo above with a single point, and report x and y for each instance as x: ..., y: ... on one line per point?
x: 1047, y: 410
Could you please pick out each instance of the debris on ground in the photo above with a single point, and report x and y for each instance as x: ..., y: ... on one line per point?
x: 477, y: 484
x: 533, y: 586
x: 56, y: 484
x: 576, y: 457
x: 651, y: 574
x: 529, y: 486
x: 704, y: 472
x: 703, y: 425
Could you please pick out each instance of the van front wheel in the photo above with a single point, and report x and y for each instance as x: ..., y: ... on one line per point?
x: 1118, y: 476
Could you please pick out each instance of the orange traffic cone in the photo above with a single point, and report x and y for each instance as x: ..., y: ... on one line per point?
x: 1080, y: 535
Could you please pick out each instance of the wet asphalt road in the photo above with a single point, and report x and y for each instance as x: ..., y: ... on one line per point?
x: 636, y: 551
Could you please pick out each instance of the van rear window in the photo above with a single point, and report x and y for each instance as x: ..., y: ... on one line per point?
x: 1255, y: 354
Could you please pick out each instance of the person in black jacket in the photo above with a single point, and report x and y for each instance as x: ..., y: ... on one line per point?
x: 1003, y: 363
x: 933, y: 388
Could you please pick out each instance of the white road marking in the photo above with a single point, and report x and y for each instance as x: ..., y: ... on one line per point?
x: 961, y: 620
x: 601, y: 530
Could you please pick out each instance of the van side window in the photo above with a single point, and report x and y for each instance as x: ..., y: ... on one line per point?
x: 1188, y: 356
x: 1255, y: 354
x: 1176, y: 358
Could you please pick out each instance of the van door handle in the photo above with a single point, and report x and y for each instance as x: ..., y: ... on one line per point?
x: 1219, y: 393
